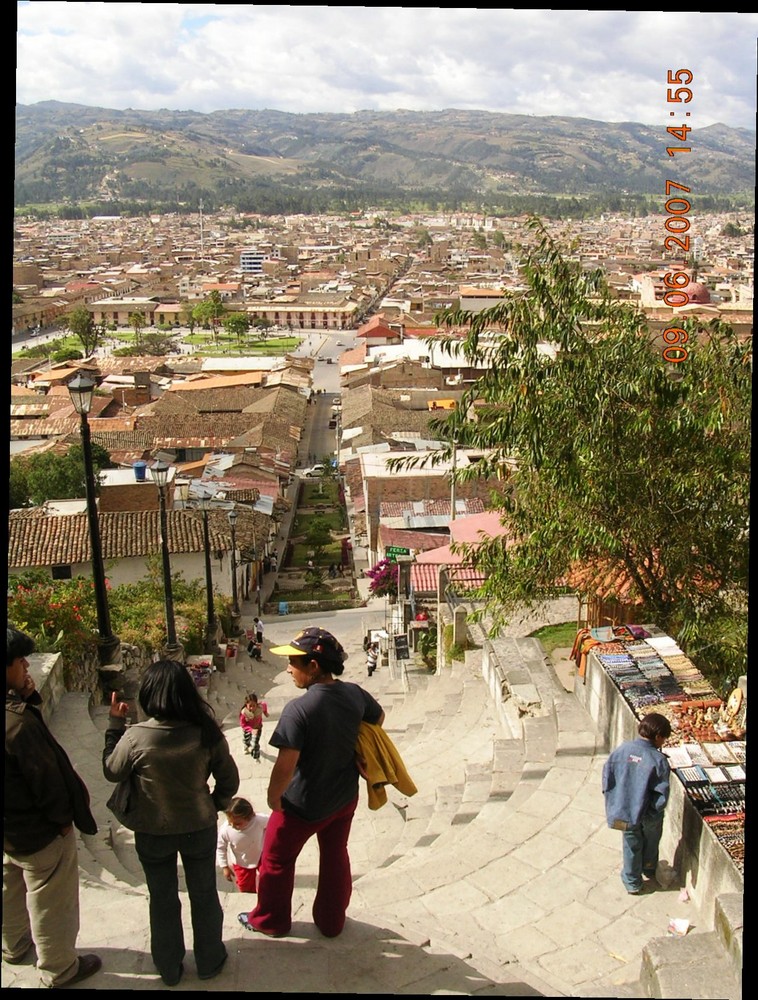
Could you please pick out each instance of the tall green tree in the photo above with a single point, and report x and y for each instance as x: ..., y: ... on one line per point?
x: 210, y: 310
x: 49, y: 476
x: 81, y: 323
x: 137, y: 320
x: 237, y: 324
x: 263, y: 326
x: 612, y: 458
x: 318, y: 535
x: 187, y: 316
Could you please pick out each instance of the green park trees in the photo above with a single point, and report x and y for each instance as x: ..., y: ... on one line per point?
x: 82, y: 325
x: 49, y: 476
x: 236, y: 324
x: 614, y: 462
x: 209, y: 312
x: 137, y: 320
x: 318, y: 535
x: 262, y: 327
x: 187, y: 316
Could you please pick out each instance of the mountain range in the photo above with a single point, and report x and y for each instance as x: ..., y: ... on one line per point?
x: 75, y: 153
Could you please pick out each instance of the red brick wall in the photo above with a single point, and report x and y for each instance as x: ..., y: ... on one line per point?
x: 134, y: 496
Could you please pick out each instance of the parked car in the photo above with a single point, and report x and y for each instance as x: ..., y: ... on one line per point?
x: 315, y: 470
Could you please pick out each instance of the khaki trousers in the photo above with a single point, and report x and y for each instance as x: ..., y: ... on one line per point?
x: 41, y: 905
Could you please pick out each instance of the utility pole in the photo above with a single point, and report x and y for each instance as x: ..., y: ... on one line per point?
x: 202, y: 242
x: 452, y: 483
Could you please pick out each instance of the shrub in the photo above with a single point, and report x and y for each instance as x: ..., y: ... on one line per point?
x: 384, y: 578
x: 61, y: 614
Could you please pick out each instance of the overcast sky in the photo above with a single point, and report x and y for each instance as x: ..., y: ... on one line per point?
x: 607, y: 65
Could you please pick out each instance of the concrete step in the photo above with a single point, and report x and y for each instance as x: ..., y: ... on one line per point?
x: 729, y: 919
x: 104, y: 864
x: 696, y: 966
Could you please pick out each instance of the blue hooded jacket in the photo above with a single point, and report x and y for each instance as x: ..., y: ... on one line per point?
x: 635, y: 782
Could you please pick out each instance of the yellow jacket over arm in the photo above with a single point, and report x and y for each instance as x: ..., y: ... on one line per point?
x: 384, y: 764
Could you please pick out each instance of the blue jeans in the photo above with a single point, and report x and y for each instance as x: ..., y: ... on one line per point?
x: 640, y: 850
x: 158, y: 856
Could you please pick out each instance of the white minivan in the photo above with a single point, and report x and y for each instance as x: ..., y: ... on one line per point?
x: 315, y: 470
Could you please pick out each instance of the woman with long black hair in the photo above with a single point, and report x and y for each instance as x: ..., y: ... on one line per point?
x: 163, y: 765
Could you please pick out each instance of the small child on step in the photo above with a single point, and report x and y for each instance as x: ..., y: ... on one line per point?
x: 242, y: 837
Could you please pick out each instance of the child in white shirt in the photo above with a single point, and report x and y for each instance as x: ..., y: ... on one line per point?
x: 242, y: 836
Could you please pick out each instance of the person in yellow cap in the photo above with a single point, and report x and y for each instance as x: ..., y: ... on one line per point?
x: 314, y: 785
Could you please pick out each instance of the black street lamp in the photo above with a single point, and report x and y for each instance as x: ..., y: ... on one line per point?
x: 236, y: 616
x: 211, y: 625
x: 258, y: 575
x: 258, y: 579
x: 159, y: 473
x: 81, y: 390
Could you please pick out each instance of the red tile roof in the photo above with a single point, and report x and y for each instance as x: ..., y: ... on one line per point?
x: 421, y: 541
x: 38, y: 538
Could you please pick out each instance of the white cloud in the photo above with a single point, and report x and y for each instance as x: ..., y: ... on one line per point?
x: 609, y: 65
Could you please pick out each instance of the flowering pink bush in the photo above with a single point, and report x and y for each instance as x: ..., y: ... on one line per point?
x: 384, y: 578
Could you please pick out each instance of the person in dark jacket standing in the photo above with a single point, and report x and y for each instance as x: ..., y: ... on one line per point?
x: 44, y: 799
x: 162, y: 766
x: 636, y: 790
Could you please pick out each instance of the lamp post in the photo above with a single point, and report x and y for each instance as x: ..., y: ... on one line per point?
x: 258, y: 579
x: 258, y: 575
x: 81, y: 390
x: 236, y: 616
x: 211, y: 626
x: 159, y: 472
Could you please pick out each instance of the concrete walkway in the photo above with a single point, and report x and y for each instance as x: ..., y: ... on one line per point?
x: 498, y: 878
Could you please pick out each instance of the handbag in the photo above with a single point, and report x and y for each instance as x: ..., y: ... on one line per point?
x: 122, y: 800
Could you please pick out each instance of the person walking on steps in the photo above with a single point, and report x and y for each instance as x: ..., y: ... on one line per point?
x: 258, y: 629
x: 372, y: 657
x: 241, y: 836
x: 313, y: 787
x: 251, y: 720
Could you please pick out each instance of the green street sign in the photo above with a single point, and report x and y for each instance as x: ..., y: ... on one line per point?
x: 393, y: 551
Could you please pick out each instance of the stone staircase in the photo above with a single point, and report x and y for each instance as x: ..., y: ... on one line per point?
x: 499, y: 877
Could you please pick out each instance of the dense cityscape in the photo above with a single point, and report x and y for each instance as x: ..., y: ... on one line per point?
x: 379, y: 490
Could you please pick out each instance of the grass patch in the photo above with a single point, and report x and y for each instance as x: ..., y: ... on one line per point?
x: 225, y: 344
x: 454, y: 650
x: 333, y: 518
x: 553, y: 636
x: 201, y: 341
x: 310, y: 495
x: 331, y: 554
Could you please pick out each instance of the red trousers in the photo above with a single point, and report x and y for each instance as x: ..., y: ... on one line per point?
x: 286, y: 835
x: 246, y: 878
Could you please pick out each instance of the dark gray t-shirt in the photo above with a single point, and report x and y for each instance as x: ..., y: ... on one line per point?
x: 323, y: 725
